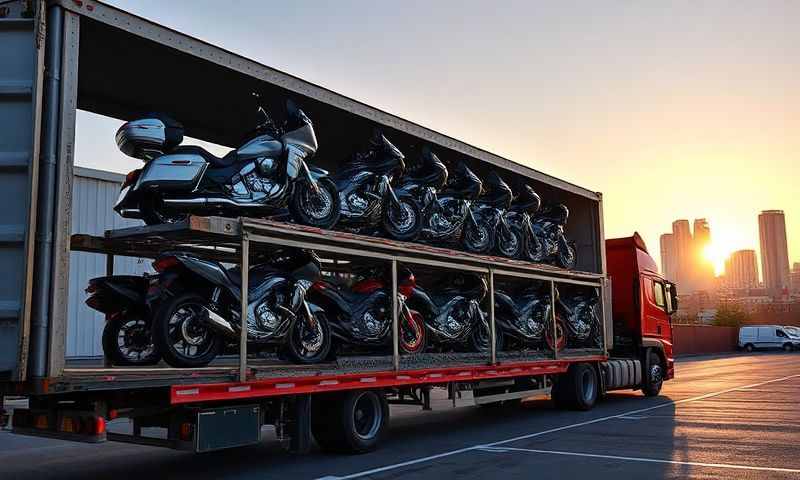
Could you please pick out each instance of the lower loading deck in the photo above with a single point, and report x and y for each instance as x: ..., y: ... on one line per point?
x: 235, y: 240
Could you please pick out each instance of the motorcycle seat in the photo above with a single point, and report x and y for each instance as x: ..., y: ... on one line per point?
x: 213, y: 160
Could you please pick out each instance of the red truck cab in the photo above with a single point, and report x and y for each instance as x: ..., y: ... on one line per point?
x: 642, y: 303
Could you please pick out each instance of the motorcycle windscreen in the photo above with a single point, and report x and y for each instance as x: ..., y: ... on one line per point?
x: 303, y: 138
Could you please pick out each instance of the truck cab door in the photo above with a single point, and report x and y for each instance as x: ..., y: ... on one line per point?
x: 655, y: 321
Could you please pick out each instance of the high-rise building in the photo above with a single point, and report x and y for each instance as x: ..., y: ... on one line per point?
x: 669, y: 258
x: 795, y: 277
x: 703, y: 269
x: 741, y: 269
x: 682, y: 238
x: 774, y: 250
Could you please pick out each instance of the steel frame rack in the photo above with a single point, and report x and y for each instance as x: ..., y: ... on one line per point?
x: 229, y: 240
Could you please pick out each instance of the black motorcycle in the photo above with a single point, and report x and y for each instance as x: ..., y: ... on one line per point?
x: 200, y: 309
x: 448, y: 219
x: 424, y: 177
x: 361, y: 315
x: 488, y: 210
x: 261, y: 177
x: 452, y: 313
x: 368, y: 201
x: 128, y: 302
x: 524, y: 318
x: 545, y: 239
x: 511, y: 228
x: 581, y: 315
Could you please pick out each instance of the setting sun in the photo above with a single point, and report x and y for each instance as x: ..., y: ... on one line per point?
x: 716, y: 253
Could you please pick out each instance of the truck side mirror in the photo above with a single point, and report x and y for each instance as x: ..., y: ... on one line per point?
x: 672, y: 307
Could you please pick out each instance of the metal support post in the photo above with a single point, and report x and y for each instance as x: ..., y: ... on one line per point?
x: 109, y: 272
x: 492, y: 332
x: 243, y: 317
x: 395, y: 320
x: 553, y: 318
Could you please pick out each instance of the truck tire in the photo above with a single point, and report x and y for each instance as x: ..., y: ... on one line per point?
x: 349, y: 422
x: 653, y: 374
x: 577, y: 389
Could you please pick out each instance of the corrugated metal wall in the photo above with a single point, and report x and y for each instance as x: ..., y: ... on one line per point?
x: 94, y: 194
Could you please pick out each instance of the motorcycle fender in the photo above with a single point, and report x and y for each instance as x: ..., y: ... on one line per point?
x: 178, y: 172
x: 127, y: 203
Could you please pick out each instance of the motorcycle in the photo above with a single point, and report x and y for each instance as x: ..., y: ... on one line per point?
x: 488, y: 209
x: 128, y: 302
x: 581, y: 314
x: 368, y: 199
x: 546, y: 242
x: 511, y: 229
x: 361, y: 316
x: 453, y: 316
x: 447, y: 216
x: 525, y: 320
x: 201, y: 308
x: 261, y: 177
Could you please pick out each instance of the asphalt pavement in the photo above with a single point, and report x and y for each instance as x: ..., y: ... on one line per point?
x: 729, y: 416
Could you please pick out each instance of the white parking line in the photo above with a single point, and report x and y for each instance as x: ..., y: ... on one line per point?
x: 638, y: 459
x: 416, y: 461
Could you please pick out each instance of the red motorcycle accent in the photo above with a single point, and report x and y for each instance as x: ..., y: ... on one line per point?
x: 412, y: 332
x: 561, y: 338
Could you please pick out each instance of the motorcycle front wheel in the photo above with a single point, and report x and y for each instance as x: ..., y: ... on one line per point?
x: 512, y: 246
x: 319, y: 209
x: 181, y: 334
x: 413, y: 337
x: 481, y: 339
x: 309, y: 344
x: 566, y: 256
x: 478, y: 239
x: 127, y: 340
x: 404, y: 221
x: 152, y: 210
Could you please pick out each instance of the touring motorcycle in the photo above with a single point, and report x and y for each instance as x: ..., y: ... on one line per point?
x: 512, y: 225
x: 361, y: 316
x: 581, y: 315
x: 200, y: 308
x: 488, y: 210
x: 367, y: 198
x: 545, y: 239
x: 261, y: 177
x: 128, y: 303
x: 452, y: 314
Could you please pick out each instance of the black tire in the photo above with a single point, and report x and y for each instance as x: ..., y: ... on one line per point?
x: 653, y: 375
x: 303, y: 200
x: 151, y: 209
x: 406, y: 226
x: 577, y: 389
x: 127, y: 340
x: 480, y: 342
x: 788, y: 347
x: 514, y: 247
x: 478, y: 239
x: 349, y: 422
x: 300, y: 339
x: 749, y: 347
x: 166, y: 332
x: 418, y: 335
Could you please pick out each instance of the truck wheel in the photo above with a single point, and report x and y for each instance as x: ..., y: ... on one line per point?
x: 577, y: 389
x: 749, y: 347
x: 654, y: 375
x: 350, y: 422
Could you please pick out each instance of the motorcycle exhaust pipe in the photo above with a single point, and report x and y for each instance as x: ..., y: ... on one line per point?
x: 219, y: 324
x: 201, y: 202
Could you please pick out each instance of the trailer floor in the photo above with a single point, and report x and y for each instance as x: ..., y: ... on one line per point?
x: 729, y: 416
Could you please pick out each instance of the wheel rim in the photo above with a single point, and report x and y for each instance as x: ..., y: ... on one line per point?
x: 655, y: 374
x: 133, y: 340
x: 511, y: 247
x: 319, y: 204
x: 478, y: 237
x: 412, y: 334
x: 403, y: 218
x: 367, y: 416
x: 310, y: 341
x: 189, y: 336
x: 588, y: 385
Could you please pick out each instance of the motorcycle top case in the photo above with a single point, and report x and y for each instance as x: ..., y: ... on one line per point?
x: 157, y: 133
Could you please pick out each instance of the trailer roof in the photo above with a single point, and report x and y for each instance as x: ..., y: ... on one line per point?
x: 129, y: 66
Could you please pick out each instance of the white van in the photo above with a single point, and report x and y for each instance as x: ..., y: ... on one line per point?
x: 768, y: 336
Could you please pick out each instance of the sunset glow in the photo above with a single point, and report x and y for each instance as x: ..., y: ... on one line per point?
x: 717, y: 252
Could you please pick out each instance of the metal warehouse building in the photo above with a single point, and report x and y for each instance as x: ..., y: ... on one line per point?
x: 94, y: 194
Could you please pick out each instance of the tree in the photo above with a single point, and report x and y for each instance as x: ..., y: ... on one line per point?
x: 730, y: 316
